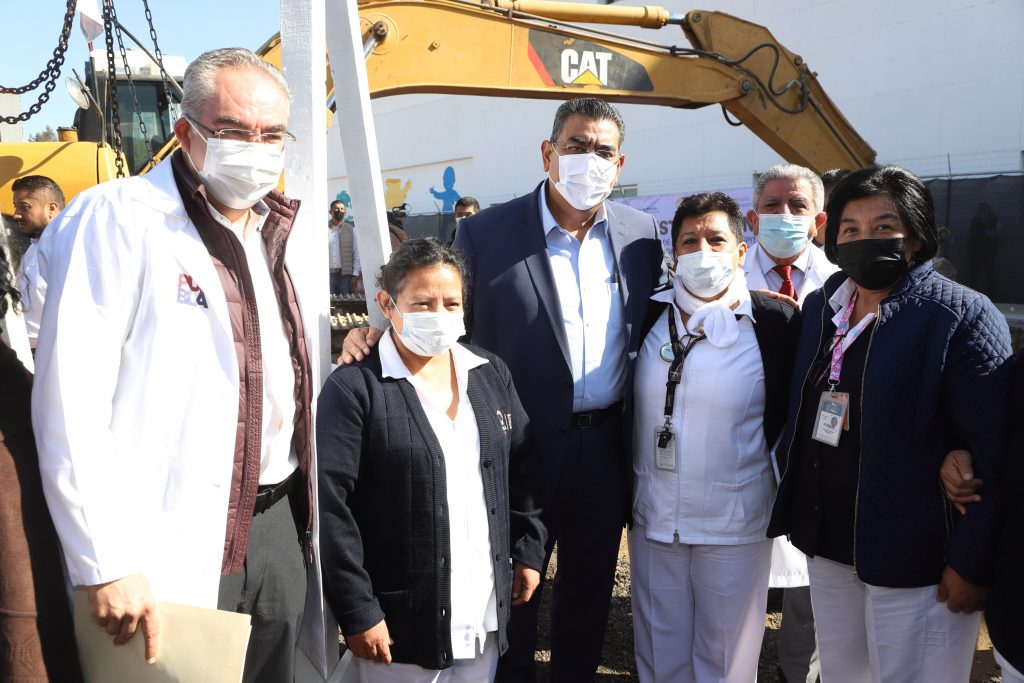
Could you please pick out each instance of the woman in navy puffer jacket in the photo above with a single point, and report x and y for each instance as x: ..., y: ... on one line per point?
x: 894, y: 364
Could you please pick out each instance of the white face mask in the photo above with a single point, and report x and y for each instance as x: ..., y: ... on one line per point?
x: 584, y: 180
x: 239, y: 174
x: 705, y: 273
x: 783, y: 235
x: 430, y: 334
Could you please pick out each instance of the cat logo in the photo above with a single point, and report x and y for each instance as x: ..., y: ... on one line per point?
x: 586, y: 67
x: 565, y: 62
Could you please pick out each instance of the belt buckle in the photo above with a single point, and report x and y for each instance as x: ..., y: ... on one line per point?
x: 584, y: 421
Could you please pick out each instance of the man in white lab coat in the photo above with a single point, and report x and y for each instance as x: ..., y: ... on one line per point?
x: 37, y: 199
x: 172, y: 400
x: 789, y: 209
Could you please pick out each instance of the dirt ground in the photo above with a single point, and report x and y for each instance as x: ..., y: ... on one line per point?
x: 617, y: 660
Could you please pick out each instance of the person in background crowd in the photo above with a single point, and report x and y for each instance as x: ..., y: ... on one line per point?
x: 341, y: 249
x: 789, y: 209
x: 172, y: 402
x: 35, y: 620
x: 699, y: 557
x: 397, y: 236
x: 464, y: 207
x: 829, y: 179
x: 37, y: 200
x: 789, y: 202
x: 421, y: 526
x: 893, y: 363
x: 983, y: 238
x: 559, y: 281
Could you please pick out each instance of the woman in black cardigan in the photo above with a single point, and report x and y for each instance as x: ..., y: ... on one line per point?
x: 429, y: 532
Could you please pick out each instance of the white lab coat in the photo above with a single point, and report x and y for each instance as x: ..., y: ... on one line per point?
x: 789, y: 565
x: 135, y: 402
x: 32, y: 289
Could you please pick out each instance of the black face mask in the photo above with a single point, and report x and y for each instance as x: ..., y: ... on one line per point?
x: 873, y: 263
x: 339, y: 215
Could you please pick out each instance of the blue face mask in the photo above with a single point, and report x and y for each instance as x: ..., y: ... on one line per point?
x: 783, y: 235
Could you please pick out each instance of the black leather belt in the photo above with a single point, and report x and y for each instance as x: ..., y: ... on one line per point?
x: 266, y: 496
x: 593, y: 418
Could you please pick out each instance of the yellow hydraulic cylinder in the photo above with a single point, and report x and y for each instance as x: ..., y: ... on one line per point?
x: 648, y: 16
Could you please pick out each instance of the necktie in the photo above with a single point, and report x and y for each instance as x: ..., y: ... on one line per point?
x: 787, y: 288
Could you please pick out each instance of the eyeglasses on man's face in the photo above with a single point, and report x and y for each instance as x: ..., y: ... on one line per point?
x: 242, y: 135
x: 572, y: 148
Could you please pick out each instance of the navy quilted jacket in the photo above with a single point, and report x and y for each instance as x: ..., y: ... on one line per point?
x: 937, y: 374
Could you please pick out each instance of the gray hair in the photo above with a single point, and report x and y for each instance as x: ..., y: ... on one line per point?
x: 202, y: 73
x: 792, y: 172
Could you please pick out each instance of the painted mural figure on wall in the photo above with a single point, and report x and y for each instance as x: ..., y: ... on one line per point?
x: 394, y: 192
x: 449, y: 195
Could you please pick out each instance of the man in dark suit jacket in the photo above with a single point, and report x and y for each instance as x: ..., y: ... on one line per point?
x: 559, y: 289
x: 560, y: 282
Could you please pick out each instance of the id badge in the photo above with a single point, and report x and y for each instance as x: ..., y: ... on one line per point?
x: 831, y: 418
x: 664, y: 450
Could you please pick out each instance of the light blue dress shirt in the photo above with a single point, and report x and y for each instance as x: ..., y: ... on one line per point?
x: 592, y: 309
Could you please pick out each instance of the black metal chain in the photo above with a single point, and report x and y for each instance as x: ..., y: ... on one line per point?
x: 49, y: 74
x: 131, y: 82
x: 109, y: 18
x: 159, y: 55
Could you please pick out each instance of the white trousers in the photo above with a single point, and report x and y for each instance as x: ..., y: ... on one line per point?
x: 698, y: 610
x: 1010, y: 675
x: 480, y: 669
x: 870, y: 634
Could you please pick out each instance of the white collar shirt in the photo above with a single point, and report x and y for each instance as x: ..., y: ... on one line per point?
x: 840, y: 299
x: 32, y: 288
x: 721, y: 489
x: 473, y: 609
x: 592, y: 310
x: 772, y: 277
x: 334, y: 246
x: 277, y: 458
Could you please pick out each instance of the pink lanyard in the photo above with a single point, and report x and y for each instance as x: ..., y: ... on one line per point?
x: 844, y: 339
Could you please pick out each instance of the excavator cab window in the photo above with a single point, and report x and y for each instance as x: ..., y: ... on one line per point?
x: 155, y: 113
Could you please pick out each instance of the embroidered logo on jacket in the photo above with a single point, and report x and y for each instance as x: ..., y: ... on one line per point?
x: 505, y: 421
x: 189, y: 292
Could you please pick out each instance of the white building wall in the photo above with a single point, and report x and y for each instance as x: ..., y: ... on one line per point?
x: 935, y: 85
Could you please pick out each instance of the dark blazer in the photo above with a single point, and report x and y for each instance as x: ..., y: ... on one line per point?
x: 937, y: 373
x: 384, y: 535
x: 777, y: 328
x: 1006, y: 603
x: 514, y: 310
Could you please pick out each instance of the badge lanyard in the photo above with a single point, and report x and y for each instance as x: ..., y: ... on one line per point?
x: 675, y: 375
x: 844, y: 339
x: 833, y: 417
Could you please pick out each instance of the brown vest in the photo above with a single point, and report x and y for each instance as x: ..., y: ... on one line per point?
x: 228, y: 257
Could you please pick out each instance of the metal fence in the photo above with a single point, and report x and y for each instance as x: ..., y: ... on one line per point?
x: 986, y: 257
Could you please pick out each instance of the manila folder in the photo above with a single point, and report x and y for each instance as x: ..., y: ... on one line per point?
x: 197, y: 645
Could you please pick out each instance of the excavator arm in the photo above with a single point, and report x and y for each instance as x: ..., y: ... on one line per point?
x: 554, y: 50
x: 541, y: 49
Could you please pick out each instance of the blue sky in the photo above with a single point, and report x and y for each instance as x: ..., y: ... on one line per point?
x: 184, y: 28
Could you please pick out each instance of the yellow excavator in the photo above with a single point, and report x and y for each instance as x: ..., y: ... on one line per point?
x: 518, y: 48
